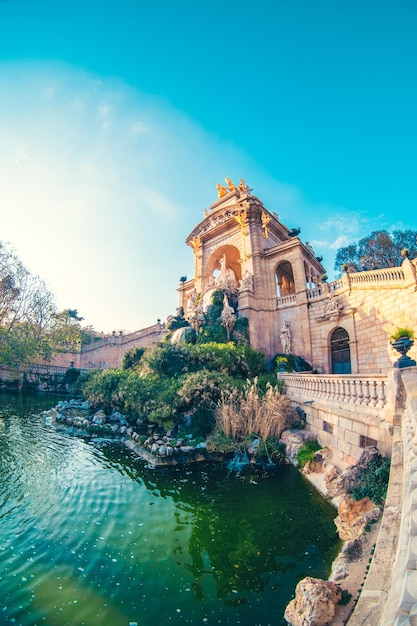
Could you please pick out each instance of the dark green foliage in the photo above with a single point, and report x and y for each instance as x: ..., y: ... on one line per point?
x: 378, y: 250
x: 240, y: 333
x: 177, y: 322
x: 307, y: 451
x: 346, y: 598
x: 71, y: 375
x: 374, y: 481
x: 132, y: 358
x: 219, y: 442
x: 295, y: 363
x: 162, y: 384
x: 215, y: 310
x: 167, y: 359
x: 270, y: 377
x: 234, y: 360
x: 102, y: 387
x: 272, y: 450
x: 214, y: 332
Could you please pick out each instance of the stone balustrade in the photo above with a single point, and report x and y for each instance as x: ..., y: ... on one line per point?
x: 316, y: 292
x: 336, y: 285
x: 289, y: 300
x: 389, y: 595
x: 369, y: 391
x: 389, y: 274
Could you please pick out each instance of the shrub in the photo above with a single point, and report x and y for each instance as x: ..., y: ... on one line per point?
x: 100, y: 387
x: 233, y: 360
x: 132, y: 358
x: 307, y: 451
x: 199, y: 394
x: 346, y: 598
x: 294, y: 363
x: 400, y: 333
x: 166, y: 359
x: 374, y: 481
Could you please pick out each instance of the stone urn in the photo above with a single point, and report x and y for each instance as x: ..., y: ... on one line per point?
x: 403, y: 345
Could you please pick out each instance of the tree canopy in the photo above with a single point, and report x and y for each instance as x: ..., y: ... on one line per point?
x: 30, y: 324
x: 377, y: 250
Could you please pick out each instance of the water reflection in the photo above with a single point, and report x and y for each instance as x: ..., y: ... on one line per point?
x: 90, y: 535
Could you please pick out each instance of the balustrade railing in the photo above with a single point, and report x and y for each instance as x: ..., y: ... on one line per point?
x: 314, y: 293
x: 389, y: 274
x: 284, y: 301
x: 336, y: 285
x: 368, y: 391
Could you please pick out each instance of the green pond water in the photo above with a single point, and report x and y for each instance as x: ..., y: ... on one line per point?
x: 89, y: 534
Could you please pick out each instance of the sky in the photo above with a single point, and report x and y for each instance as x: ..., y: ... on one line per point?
x: 117, y: 119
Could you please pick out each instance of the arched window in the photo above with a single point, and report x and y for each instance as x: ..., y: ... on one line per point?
x: 285, y: 279
x: 311, y: 280
x: 340, y: 349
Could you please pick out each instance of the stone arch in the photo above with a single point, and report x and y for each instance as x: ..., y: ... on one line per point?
x: 232, y: 255
x: 340, y: 351
x: 284, y: 278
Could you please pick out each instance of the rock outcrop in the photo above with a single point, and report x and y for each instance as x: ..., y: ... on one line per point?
x: 294, y: 440
x: 314, y: 603
x: 354, y: 516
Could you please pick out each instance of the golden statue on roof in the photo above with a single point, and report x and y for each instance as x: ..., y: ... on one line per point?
x: 221, y: 191
x: 230, y: 184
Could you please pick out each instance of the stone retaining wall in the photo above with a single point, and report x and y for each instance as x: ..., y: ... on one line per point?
x: 389, y: 596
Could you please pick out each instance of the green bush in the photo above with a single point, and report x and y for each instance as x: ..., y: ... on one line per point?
x: 132, y: 358
x: 307, y: 451
x: 374, y: 481
x: 234, y: 360
x: 295, y: 363
x: 166, y: 359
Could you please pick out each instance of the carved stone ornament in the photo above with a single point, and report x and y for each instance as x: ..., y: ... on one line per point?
x: 228, y: 316
x: 246, y: 284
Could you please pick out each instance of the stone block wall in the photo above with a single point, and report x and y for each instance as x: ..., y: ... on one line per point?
x: 370, y: 312
x: 347, y: 430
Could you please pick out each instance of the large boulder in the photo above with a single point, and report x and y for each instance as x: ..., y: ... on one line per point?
x: 314, y: 603
x: 354, y: 516
x: 294, y: 440
x: 99, y: 418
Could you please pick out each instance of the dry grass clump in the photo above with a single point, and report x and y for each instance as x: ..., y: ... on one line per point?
x: 264, y: 414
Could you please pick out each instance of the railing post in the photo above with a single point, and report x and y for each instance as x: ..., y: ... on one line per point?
x: 366, y: 395
x: 374, y: 396
x: 359, y: 391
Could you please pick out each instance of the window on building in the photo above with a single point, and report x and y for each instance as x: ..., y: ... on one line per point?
x: 285, y: 279
x: 366, y: 442
x: 340, y: 348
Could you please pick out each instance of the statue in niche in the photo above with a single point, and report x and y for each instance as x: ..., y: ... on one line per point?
x: 228, y: 316
x: 247, y: 281
x: 227, y: 277
x: 230, y: 184
x: 285, y: 337
x: 221, y: 191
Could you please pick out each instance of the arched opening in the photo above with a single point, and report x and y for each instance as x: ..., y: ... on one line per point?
x: 229, y: 256
x: 311, y: 280
x: 284, y: 279
x: 340, y: 349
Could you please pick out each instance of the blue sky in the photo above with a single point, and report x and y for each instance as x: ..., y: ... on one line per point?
x: 118, y: 118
